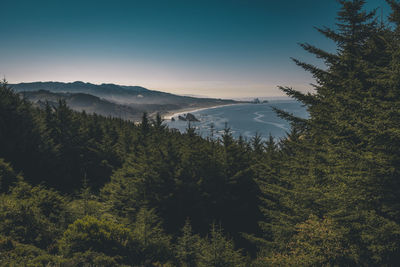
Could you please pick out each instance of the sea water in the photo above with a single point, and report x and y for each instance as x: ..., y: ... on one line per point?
x: 245, y: 120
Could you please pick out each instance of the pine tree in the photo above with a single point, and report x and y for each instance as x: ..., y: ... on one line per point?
x: 155, y: 244
x: 187, y: 249
x: 218, y: 251
x: 337, y: 163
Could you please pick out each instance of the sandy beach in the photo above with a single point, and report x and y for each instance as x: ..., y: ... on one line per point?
x: 178, y: 112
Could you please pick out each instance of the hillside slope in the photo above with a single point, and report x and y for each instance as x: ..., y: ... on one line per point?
x: 85, y: 102
x: 128, y: 102
x: 117, y: 93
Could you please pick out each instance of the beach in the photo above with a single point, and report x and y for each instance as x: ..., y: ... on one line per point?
x: 175, y: 113
x: 246, y: 120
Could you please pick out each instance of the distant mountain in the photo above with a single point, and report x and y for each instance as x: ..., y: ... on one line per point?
x: 85, y: 102
x: 113, y: 92
x: 128, y: 102
x: 78, y: 87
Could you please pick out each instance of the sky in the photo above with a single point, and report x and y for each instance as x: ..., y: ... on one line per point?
x: 214, y: 48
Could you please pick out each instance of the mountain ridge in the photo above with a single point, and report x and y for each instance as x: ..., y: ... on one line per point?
x: 109, y: 99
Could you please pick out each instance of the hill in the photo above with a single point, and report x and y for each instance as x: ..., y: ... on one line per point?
x: 112, y: 99
x: 85, y: 102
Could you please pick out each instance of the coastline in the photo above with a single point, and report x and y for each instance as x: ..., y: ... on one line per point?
x: 178, y: 112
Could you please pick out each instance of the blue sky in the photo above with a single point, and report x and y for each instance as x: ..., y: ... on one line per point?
x: 218, y: 48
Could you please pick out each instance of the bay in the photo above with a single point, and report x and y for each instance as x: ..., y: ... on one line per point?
x: 245, y: 120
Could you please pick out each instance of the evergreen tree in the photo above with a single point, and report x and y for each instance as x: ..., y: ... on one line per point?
x: 187, y: 249
x: 218, y: 251
x: 337, y: 165
x: 155, y: 244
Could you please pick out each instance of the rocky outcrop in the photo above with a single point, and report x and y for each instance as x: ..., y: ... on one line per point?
x: 188, y: 117
x: 191, y: 117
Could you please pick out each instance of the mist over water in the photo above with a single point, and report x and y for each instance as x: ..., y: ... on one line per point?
x: 246, y: 120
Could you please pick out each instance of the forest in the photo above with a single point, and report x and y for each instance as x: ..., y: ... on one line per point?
x: 86, y: 190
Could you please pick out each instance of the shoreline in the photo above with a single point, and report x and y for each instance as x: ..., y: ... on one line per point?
x: 169, y: 115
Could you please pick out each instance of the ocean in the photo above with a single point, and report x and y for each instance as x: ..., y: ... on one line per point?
x: 245, y: 120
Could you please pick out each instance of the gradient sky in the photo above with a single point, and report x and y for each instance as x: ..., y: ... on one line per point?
x: 216, y: 48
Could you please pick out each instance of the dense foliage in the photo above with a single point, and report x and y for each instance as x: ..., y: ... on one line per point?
x: 84, y: 190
